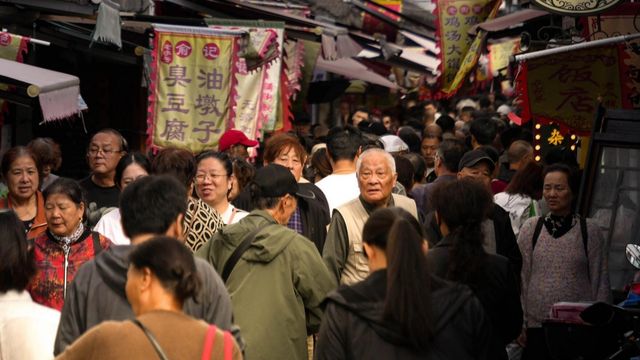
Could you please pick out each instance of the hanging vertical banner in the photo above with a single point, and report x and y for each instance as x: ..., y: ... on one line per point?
x: 192, y: 84
x: 566, y: 88
x: 251, y: 113
x: 459, y: 53
x: 499, y: 54
x: 271, y: 90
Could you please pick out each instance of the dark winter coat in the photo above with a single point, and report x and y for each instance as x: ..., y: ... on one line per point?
x: 353, y: 327
x: 496, y: 288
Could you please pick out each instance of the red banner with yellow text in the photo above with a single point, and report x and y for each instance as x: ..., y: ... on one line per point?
x: 566, y: 88
x: 192, y: 80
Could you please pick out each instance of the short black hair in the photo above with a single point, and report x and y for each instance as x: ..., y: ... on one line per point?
x: 71, y: 189
x: 484, y: 130
x: 149, y: 205
x: 343, y: 142
x: 17, y: 266
x: 446, y: 123
x: 450, y: 152
x: 172, y: 263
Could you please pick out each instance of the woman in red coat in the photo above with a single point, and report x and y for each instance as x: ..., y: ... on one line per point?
x: 65, y: 246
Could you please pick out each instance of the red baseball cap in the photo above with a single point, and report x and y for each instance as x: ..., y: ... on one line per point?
x: 233, y: 137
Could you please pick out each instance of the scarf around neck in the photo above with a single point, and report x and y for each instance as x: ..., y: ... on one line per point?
x: 557, y: 225
x: 72, y: 238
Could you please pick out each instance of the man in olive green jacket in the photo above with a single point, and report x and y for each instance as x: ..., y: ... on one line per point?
x: 279, y: 281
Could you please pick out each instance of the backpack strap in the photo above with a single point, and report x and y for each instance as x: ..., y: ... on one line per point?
x: 97, y: 248
x: 209, y: 340
x: 585, y: 235
x: 536, y: 234
x: 585, y: 240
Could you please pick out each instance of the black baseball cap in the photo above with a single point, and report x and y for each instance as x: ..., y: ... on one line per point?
x: 275, y: 180
x: 473, y: 157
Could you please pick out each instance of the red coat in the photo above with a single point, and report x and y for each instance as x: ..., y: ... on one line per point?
x: 47, y: 286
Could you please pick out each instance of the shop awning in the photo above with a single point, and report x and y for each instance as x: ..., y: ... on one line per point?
x: 508, y: 21
x: 57, y: 92
x: 354, y: 70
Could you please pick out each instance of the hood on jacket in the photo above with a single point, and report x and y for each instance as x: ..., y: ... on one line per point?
x: 366, y: 300
x: 112, y: 266
x: 265, y: 247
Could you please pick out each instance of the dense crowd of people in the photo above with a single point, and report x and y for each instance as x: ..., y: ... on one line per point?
x: 431, y: 235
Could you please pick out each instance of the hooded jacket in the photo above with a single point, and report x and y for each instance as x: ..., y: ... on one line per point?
x: 353, y: 327
x: 276, y: 286
x: 98, y: 294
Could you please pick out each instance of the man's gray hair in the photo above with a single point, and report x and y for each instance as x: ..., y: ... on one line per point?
x: 390, y: 161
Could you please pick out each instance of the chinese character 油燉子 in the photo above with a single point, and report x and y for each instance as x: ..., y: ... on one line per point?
x: 207, y: 104
x: 209, y: 127
x: 210, y: 80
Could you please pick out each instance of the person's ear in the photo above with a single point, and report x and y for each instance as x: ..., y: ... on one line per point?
x: 145, y: 280
x: 176, y: 229
x: 370, y: 251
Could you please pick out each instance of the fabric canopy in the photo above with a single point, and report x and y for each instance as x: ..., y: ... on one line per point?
x: 508, y: 21
x: 354, y: 70
x: 58, y: 92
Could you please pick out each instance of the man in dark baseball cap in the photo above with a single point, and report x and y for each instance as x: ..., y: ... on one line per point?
x: 271, y: 270
x: 235, y: 143
x: 274, y: 181
x: 478, y: 165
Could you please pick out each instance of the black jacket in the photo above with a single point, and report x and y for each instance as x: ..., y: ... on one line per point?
x: 506, y: 242
x: 314, y: 212
x: 353, y: 327
x: 496, y: 288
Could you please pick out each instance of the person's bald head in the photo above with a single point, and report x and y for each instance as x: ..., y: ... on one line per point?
x: 519, y: 153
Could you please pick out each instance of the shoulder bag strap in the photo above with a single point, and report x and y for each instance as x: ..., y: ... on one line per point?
x: 237, y: 253
x: 152, y: 339
x: 228, y: 346
x: 96, y: 243
x: 209, y: 340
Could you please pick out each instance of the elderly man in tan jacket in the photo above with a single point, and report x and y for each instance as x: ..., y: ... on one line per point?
x: 343, y: 250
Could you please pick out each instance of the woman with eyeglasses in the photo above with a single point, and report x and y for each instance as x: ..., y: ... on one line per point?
x: 21, y: 172
x: 214, y: 182
x: 65, y: 246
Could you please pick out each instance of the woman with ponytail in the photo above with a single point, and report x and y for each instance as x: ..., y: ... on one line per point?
x: 460, y: 209
x: 400, y: 311
x: 162, y: 275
